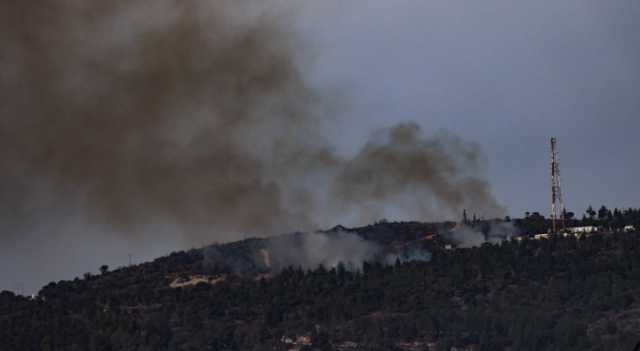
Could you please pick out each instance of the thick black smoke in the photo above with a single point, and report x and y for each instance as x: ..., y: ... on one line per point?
x: 429, y: 179
x: 126, y: 116
x: 180, y: 110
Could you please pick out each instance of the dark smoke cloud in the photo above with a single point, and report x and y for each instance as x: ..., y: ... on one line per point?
x: 191, y: 117
x: 429, y: 179
x: 152, y: 109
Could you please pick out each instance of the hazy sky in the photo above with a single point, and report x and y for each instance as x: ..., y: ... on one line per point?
x: 504, y: 74
x: 507, y: 75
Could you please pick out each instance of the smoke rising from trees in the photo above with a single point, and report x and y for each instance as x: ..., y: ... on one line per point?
x: 308, y: 251
x: 489, y: 232
x: 429, y: 179
x: 193, y: 118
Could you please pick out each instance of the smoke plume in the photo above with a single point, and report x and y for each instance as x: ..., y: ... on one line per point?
x: 493, y: 232
x: 400, y: 170
x: 311, y: 250
x: 308, y: 251
x: 140, y: 118
x: 180, y: 110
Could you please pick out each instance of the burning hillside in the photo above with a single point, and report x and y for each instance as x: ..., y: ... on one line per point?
x: 565, y: 293
x: 330, y: 249
x: 195, y: 120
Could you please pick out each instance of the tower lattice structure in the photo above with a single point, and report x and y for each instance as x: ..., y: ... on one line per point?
x: 557, y: 203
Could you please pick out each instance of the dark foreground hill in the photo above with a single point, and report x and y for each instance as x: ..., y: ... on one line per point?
x: 561, y: 294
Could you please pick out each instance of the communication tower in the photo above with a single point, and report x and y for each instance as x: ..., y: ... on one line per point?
x: 557, y: 204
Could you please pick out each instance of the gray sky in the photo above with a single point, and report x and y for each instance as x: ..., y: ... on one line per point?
x: 507, y: 75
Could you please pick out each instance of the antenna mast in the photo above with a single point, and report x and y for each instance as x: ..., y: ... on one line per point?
x: 557, y: 205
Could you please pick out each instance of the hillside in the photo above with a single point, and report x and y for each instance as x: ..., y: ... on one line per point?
x: 561, y: 294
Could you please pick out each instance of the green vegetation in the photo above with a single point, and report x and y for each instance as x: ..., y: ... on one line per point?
x: 561, y: 294
x: 609, y: 220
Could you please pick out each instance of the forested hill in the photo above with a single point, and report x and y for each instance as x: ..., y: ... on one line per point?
x: 560, y: 294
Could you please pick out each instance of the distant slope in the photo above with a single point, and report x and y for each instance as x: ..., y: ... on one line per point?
x: 563, y: 294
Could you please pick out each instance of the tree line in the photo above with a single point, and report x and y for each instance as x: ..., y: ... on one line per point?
x: 560, y: 294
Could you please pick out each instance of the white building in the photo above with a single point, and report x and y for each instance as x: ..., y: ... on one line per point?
x: 629, y: 229
x: 583, y: 230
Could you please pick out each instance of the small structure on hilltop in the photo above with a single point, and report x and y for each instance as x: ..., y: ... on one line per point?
x: 542, y: 236
x: 583, y: 230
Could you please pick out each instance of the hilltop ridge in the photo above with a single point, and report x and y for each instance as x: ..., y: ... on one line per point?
x: 564, y: 293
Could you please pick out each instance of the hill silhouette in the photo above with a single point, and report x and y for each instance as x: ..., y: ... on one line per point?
x: 559, y: 294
